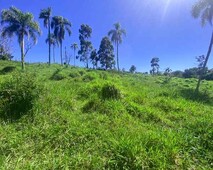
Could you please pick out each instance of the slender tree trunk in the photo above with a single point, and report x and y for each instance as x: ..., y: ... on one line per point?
x: 53, y: 54
x: 74, y: 57
x: 204, y: 65
x: 87, y: 62
x: 117, y: 57
x: 22, y: 53
x: 49, y: 41
x: 61, y: 53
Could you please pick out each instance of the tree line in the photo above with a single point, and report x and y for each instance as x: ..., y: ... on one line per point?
x: 23, y: 26
x: 15, y: 22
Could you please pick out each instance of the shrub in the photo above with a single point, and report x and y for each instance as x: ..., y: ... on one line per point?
x: 110, y: 91
x: 18, y: 95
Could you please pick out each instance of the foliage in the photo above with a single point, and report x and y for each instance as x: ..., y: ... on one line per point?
x: 60, y: 25
x: 17, y: 95
x: 110, y: 91
x: 132, y: 69
x: 5, y: 47
x: 74, y: 46
x: 45, y: 14
x: 20, y: 24
x: 74, y: 127
x: 94, y: 58
x: 116, y: 37
x: 204, y: 10
x: 52, y: 41
x: 105, y: 54
x: 155, y: 66
x: 86, y: 46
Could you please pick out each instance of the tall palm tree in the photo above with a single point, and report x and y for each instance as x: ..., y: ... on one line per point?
x: 204, y: 10
x: 116, y: 37
x: 60, y: 26
x: 74, y: 46
x: 52, y: 40
x: 45, y: 14
x: 19, y: 24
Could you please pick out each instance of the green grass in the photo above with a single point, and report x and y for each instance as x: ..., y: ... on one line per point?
x: 147, y: 123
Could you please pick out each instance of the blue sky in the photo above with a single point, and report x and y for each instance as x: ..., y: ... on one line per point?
x: 155, y: 28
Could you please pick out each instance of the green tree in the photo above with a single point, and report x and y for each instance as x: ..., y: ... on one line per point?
x: 52, y: 41
x: 132, y: 69
x: 94, y: 58
x: 167, y: 71
x: 86, y: 46
x: 45, y: 14
x: 105, y: 53
x: 5, y: 48
x: 204, y: 10
x: 155, y: 66
x: 74, y: 46
x: 116, y: 37
x: 60, y: 26
x: 20, y: 24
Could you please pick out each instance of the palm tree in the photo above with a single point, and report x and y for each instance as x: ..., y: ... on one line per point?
x: 46, y: 15
x: 53, y: 42
x: 60, y: 26
x: 19, y: 24
x: 74, y: 46
x: 116, y: 37
x: 204, y: 10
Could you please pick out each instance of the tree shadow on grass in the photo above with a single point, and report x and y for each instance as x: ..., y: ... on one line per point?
x: 57, y: 75
x: 201, y: 97
x: 7, y: 69
x: 14, y: 114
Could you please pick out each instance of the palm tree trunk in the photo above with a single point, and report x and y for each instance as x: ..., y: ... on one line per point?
x: 204, y: 65
x: 22, y: 53
x: 53, y: 54
x: 87, y: 62
x: 49, y: 41
x: 61, y: 53
x: 117, y: 57
x: 74, y: 57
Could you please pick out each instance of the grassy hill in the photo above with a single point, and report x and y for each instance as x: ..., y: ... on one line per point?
x: 72, y: 118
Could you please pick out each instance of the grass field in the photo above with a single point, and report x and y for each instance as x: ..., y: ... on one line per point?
x: 72, y: 118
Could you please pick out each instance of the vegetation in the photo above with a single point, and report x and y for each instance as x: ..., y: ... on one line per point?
x: 74, y: 46
x: 103, y: 120
x: 155, y: 66
x: 132, y: 69
x: 52, y: 41
x: 20, y: 24
x: 45, y: 14
x: 204, y: 9
x: 116, y: 37
x: 86, y: 46
x: 67, y: 117
x: 106, y: 55
x: 60, y: 26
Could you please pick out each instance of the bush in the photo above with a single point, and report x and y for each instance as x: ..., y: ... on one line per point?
x: 18, y: 95
x: 110, y: 91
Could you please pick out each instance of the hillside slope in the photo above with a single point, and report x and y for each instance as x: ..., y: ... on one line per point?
x: 88, y: 119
